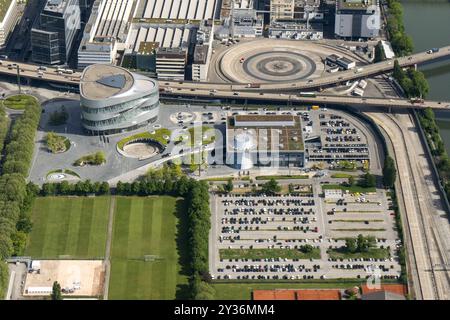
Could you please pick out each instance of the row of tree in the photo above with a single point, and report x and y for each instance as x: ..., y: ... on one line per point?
x: 80, y: 188
x: 412, y: 81
x: 428, y: 123
x: 4, y: 125
x: 198, y: 233
x: 15, y: 195
x: 402, y: 44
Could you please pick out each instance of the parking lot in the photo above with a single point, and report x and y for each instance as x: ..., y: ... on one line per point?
x: 244, y: 227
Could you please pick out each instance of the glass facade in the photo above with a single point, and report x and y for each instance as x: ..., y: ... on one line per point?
x: 52, y: 37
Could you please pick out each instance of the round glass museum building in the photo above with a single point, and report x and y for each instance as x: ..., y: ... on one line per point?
x: 115, y: 100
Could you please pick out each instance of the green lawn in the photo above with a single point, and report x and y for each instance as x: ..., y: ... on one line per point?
x: 377, y: 253
x: 207, y: 135
x: 285, y: 177
x: 352, y: 189
x: 157, y: 136
x: 69, y: 227
x: 20, y: 101
x: 154, y: 226
x: 268, y: 253
x: 342, y: 175
x: 243, y: 291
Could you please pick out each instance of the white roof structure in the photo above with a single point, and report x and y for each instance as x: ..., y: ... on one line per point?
x: 176, y: 9
x: 35, y: 265
x: 388, y: 52
x: 39, y: 290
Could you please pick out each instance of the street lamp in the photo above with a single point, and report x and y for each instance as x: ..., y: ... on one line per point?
x: 18, y: 78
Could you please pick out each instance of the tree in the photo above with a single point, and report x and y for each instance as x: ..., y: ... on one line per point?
x: 351, y: 181
x: 271, y: 187
x: 398, y: 73
x: 368, y: 181
x: 307, y: 248
x: 228, y: 187
x: 19, y: 241
x: 291, y: 188
x: 56, y: 291
x: 350, y: 245
x: 389, y: 172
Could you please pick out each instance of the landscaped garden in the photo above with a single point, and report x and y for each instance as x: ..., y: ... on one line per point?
x: 161, y: 136
x: 19, y: 102
x: 307, y: 252
x: 56, y: 143
x: 94, y: 159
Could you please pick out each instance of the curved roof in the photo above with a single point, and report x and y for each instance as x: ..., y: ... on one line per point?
x: 101, y: 81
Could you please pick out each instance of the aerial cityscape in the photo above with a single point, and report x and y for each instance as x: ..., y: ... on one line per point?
x: 224, y: 150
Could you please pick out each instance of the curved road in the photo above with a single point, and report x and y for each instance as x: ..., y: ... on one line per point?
x: 428, y: 229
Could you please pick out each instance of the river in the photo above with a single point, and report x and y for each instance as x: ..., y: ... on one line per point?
x: 428, y: 23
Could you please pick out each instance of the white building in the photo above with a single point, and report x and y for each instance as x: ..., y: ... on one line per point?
x: 357, y: 19
x: 9, y: 15
x: 281, y: 9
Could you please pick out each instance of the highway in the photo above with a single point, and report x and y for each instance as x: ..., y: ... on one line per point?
x: 427, y: 230
x: 319, y: 99
x: 29, y: 71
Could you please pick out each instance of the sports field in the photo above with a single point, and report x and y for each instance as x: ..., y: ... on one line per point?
x: 72, y: 228
x: 148, y: 229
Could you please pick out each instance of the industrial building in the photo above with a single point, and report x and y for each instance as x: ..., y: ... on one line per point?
x: 357, y: 19
x: 245, y: 23
x: 105, y: 31
x: 9, y: 15
x: 115, y: 100
x: 54, y: 31
x: 264, y: 140
x: 343, y: 62
x: 298, y: 20
x: 296, y: 30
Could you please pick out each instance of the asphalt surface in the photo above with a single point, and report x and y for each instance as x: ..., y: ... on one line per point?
x: 426, y: 222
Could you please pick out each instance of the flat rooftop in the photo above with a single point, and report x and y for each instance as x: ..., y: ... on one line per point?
x: 101, y: 81
x: 356, y: 4
x: 57, y: 6
x: 278, y: 132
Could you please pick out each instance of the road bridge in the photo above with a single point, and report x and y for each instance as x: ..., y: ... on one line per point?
x: 322, y: 100
x: 30, y: 71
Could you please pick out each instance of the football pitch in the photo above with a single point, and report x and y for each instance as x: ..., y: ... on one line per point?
x: 149, y: 238
x: 69, y: 228
x: 147, y: 248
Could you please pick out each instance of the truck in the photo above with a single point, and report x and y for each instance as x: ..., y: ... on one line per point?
x: 253, y: 85
x: 416, y: 100
x: 68, y: 71
x: 307, y: 94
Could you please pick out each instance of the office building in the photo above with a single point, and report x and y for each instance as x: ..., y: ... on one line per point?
x: 281, y: 9
x: 54, y: 32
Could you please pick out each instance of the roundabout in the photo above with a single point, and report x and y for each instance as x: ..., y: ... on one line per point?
x: 273, y: 61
